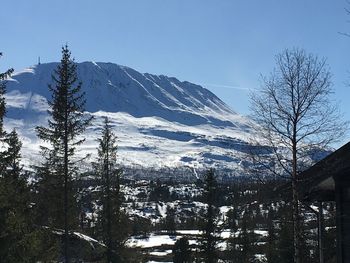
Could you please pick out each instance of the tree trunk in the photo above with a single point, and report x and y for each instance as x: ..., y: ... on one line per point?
x: 108, y: 203
x: 66, y: 234
x: 296, y: 223
x: 320, y: 231
x: 295, y: 202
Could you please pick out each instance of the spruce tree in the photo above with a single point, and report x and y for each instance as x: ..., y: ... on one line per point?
x: 112, y: 220
x: 210, y: 239
x: 182, y: 251
x: 284, y: 244
x: 245, y: 238
x: 232, y: 216
x: 15, y: 227
x: 232, y: 242
x: 19, y: 239
x: 3, y: 77
x: 170, y: 222
x: 67, y: 122
x: 271, y: 252
x: 8, y: 187
x: 13, y: 153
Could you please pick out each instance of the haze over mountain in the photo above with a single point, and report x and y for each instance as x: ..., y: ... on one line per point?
x: 159, y: 120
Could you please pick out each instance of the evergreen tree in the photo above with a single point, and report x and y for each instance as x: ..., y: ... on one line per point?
x: 182, y: 251
x: 210, y: 239
x: 13, y: 202
x: 271, y: 253
x: 49, y: 198
x: 231, y: 219
x: 13, y: 153
x: 20, y: 240
x: 11, y: 187
x: 246, y: 239
x: 66, y: 123
x: 233, y: 250
x: 3, y: 77
x: 284, y: 244
x: 170, y: 224
x: 307, y: 250
x: 111, y: 219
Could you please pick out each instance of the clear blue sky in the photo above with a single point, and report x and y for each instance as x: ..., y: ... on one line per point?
x: 223, y: 44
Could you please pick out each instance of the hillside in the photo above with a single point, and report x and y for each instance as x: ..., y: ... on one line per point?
x: 159, y: 120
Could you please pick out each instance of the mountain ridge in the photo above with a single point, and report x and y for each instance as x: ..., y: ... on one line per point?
x: 159, y: 120
x: 152, y: 95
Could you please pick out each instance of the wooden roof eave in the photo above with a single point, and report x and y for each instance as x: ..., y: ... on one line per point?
x: 334, y: 165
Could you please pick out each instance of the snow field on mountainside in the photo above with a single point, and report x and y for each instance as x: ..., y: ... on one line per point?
x: 159, y: 120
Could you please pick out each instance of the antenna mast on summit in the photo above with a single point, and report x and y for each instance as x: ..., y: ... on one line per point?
x: 39, y: 60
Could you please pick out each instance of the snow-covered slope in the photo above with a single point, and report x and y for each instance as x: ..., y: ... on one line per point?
x: 159, y: 120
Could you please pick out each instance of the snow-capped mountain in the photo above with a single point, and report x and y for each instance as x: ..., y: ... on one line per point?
x: 159, y: 120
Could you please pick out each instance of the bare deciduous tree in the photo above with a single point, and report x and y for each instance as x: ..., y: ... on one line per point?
x: 296, y: 118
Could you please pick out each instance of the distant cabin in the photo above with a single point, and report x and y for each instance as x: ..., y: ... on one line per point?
x: 329, y: 180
